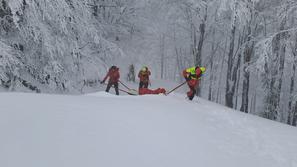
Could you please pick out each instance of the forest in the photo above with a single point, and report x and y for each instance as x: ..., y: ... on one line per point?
x: 249, y: 47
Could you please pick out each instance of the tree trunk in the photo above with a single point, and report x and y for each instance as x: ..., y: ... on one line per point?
x: 281, y: 68
x: 254, y: 102
x: 198, y: 56
x: 229, y: 95
x: 229, y: 83
x: 237, y: 70
x: 248, y: 52
x: 200, y: 44
x: 213, y: 51
x: 277, y: 67
x: 292, y: 84
x: 179, y: 63
x: 162, y: 48
x: 245, y: 90
x: 218, y: 99
x: 294, y: 121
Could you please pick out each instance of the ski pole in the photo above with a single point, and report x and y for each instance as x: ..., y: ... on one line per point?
x: 121, y: 90
x: 176, y: 88
x: 126, y: 91
x: 126, y: 86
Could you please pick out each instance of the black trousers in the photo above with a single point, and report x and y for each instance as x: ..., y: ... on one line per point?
x: 115, y: 85
x: 143, y: 84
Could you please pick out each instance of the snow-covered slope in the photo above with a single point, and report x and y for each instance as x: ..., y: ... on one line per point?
x: 102, y: 130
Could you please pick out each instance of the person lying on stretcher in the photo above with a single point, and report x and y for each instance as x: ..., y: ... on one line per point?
x: 145, y: 91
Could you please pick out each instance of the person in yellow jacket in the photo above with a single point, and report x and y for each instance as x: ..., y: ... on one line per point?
x: 144, y: 77
x: 192, y: 76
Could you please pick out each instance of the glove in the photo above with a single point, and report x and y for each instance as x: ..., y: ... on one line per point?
x: 101, y: 82
x: 188, y: 75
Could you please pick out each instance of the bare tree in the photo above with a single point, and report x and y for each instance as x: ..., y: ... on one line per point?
x: 251, y: 27
x: 230, y: 79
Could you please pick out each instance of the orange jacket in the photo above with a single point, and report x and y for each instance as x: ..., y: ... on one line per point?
x: 144, y: 76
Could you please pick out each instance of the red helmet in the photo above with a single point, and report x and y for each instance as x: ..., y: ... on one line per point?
x: 198, y: 71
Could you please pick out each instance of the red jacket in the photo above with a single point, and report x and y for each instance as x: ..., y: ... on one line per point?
x: 144, y: 76
x: 192, y: 76
x: 113, y: 74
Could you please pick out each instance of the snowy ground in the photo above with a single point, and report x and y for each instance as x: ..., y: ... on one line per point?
x: 103, y: 130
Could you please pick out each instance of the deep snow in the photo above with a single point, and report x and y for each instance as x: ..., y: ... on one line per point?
x: 103, y: 130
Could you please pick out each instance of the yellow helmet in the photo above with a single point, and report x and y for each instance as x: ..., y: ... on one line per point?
x: 144, y: 69
x: 203, y: 69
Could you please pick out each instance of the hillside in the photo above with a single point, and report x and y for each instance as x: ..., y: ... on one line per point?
x: 103, y: 130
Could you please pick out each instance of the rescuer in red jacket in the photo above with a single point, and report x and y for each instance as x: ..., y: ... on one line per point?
x: 192, y: 76
x: 114, y: 76
x: 144, y: 77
